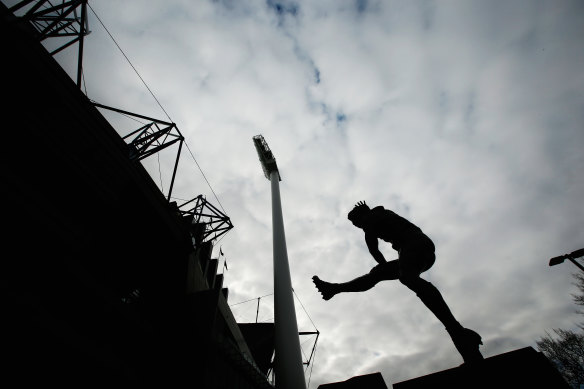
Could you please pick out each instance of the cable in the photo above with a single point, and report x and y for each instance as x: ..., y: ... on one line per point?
x: 305, y: 357
x: 253, y: 299
x: 313, y: 359
x: 84, y: 85
x: 315, y: 342
x: 133, y: 118
x: 160, y: 174
x: 307, y: 340
x: 309, y: 318
x: 223, y: 236
x: 205, y: 177
x: 178, y: 198
x: 127, y: 59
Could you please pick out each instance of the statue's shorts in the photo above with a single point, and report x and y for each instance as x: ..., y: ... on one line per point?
x: 416, y: 255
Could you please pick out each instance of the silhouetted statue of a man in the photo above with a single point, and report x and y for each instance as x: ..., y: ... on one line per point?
x: 415, y: 256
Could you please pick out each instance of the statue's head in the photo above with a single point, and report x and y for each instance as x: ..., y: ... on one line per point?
x: 358, y: 213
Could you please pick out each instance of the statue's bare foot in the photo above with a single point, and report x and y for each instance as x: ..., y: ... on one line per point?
x: 325, y: 288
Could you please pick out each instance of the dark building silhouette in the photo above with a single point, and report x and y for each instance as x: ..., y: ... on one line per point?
x: 104, y: 281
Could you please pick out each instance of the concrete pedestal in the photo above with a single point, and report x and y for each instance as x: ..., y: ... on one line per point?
x: 369, y: 381
x: 523, y: 368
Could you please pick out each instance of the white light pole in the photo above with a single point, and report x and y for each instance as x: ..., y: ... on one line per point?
x: 288, y: 360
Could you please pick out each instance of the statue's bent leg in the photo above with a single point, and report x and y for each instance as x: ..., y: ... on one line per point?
x: 432, y: 299
x: 416, y: 259
x: 465, y: 340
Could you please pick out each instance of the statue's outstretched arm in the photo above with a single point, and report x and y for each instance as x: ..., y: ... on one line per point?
x: 373, y: 246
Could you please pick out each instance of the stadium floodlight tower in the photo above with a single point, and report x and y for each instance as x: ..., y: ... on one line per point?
x: 288, y: 360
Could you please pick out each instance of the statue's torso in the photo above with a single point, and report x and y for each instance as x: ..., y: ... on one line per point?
x: 390, y: 227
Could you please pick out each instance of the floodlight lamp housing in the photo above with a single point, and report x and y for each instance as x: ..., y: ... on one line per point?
x: 557, y: 260
x: 266, y: 157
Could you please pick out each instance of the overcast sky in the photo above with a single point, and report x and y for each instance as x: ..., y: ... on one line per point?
x: 466, y: 117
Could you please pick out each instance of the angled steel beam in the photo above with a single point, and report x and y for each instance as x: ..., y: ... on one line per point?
x: 63, y: 47
x: 175, y: 167
x: 21, y: 4
x: 130, y: 113
x: 82, y: 32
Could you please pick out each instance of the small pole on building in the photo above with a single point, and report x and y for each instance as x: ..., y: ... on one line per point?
x: 288, y: 359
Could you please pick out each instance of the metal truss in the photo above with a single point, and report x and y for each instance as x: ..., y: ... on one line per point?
x: 54, y: 19
x: 151, y: 138
x: 68, y: 19
x: 317, y: 333
x: 200, y: 211
x: 309, y: 360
